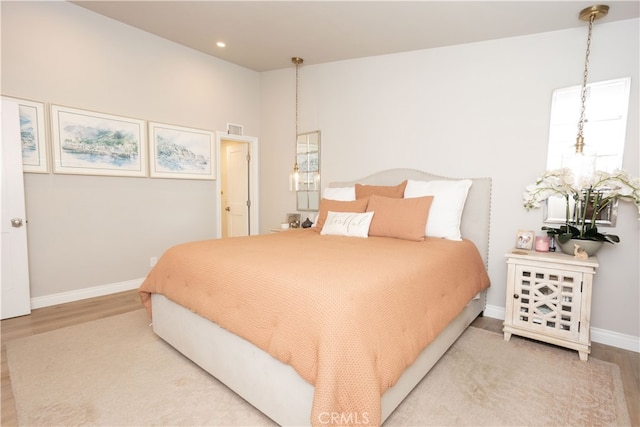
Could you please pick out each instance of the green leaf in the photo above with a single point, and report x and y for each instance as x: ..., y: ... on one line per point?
x: 564, y: 237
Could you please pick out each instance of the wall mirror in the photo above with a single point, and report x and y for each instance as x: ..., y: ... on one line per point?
x: 308, y: 157
x: 604, y: 130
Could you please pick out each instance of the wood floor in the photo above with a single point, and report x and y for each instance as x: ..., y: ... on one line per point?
x: 60, y: 316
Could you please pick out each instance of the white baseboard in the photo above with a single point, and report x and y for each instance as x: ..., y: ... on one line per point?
x: 494, y: 311
x: 615, y: 339
x: 80, y: 294
x: 602, y: 336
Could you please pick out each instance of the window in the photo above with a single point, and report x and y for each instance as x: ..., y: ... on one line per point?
x: 604, y: 131
x: 605, y: 122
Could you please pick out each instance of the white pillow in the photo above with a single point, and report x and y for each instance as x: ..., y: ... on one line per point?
x: 347, y: 224
x: 446, y: 208
x: 343, y: 194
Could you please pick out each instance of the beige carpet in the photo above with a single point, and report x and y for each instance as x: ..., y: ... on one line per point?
x: 116, y: 372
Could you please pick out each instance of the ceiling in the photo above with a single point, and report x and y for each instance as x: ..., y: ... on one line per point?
x: 264, y: 35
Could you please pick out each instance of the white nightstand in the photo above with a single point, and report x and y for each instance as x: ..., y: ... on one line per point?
x: 280, y: 229
x: 549, y: 298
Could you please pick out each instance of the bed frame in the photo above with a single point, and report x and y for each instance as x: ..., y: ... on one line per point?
x: 275, y: 388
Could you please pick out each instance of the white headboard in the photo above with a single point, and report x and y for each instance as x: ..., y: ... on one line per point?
x: 477, y: 209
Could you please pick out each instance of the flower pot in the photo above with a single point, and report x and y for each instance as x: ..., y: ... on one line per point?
x: 590, y: 246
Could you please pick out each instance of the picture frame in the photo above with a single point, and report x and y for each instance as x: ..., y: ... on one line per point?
x: 525, y: 239
x: 33, y: 135
x: 92, y: 143
x: 293, y: 219
x: 181, y: 152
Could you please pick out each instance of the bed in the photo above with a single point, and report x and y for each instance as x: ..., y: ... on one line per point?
x: 300, y: 323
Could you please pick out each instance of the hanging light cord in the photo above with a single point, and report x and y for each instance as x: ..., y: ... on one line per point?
x: 297, y: 61
x: 297, y: 85
x: 580, y: 139
x: 295, y: 153
x: 296, y: 136
x: 294, y: 177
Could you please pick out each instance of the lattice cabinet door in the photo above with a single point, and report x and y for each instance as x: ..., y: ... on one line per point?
x: 549, y: 298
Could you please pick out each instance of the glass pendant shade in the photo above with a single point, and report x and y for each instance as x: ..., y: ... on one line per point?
x: 581, y: 159
x: 294, y: 179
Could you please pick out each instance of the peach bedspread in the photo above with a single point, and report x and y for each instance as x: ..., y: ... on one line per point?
x: 348, y: 314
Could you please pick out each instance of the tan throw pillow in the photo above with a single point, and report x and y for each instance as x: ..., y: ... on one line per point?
x: 395, y: 191
x: 326, y: 205
x: 399, y: 218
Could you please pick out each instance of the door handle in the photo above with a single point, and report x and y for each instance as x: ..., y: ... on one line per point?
x: 16, y: 222
x: 228, y: 209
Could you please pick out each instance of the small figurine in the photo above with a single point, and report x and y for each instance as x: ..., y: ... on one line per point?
x: 307, y: 223
x: 579, y: 253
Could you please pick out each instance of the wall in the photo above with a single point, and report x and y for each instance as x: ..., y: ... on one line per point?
x: 474, y: 110
x: 88, y: 231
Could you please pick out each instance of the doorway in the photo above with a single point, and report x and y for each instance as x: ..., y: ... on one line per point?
x: 237, y: 188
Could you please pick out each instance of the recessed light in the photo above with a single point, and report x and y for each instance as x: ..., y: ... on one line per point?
x: 221, y: 44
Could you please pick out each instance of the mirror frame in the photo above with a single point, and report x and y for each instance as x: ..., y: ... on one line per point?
x: 308, y: 196
x: 554, y: 213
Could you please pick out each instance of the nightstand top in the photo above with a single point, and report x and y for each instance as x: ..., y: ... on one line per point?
x: 557, y: 257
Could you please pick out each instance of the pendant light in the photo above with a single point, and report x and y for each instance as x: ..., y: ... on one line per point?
x: 294, y: 177
x: 581, y: 159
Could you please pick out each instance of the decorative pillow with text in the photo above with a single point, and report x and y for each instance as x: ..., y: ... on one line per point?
x: 348, y: 224
x: 327, y: 205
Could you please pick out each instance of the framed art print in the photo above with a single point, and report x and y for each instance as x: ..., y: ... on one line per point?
x: 293, y: 219
x: 181, y: 152
x: 91, y: 143
x: 33, y: 135
x: 525, y: 239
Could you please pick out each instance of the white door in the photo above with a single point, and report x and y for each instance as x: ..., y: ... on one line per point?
x: 14, y: 277
x: 237, y: 191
